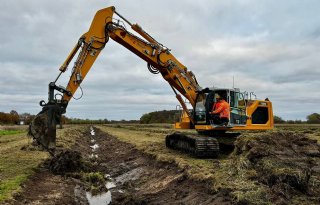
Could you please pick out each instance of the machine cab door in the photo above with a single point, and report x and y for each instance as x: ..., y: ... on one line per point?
x: 238, y: 108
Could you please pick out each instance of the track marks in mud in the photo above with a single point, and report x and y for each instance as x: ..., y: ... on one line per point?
x: 140, y: 179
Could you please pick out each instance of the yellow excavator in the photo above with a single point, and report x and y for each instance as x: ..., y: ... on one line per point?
x: 246, y: 113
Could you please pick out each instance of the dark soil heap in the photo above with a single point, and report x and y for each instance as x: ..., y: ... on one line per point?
x: 66, y: 161
x: 71, y: 164
x: 288, y: 164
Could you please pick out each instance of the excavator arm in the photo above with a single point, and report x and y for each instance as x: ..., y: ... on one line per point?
x: 103, y: 27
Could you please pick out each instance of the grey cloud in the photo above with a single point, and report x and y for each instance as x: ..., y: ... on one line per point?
x: 305, y: 75
x: 269, y: 46
x: 315, y: 34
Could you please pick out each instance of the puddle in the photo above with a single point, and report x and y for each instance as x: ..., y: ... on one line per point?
x: 94, y: 147
x: 110, y: 185
x: 130, y: 175
x: 99, y: 199
x: 93, y: 141
x: 104, y: 198
x: 92, y: 131
x: 92, y: 156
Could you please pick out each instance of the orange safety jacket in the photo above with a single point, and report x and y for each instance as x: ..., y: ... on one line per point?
x: 222, y: 108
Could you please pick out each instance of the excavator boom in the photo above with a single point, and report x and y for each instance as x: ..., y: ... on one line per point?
x: 158, y: 57
x: 245, y: 114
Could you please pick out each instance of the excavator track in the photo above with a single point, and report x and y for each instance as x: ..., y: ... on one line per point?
x: 200, y: 146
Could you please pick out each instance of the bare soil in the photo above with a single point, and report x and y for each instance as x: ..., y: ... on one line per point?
x: 46, y: 188
x: 139, y: 178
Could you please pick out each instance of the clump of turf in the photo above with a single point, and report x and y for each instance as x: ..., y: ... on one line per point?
x: 95, y: 182
x: 285, y: 164
x: 276, y: 143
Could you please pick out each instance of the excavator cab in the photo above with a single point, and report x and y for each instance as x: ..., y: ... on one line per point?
x: 246, y: 112
x: 206, y: 101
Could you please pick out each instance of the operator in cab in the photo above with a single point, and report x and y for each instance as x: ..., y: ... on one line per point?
x: 220, y: 111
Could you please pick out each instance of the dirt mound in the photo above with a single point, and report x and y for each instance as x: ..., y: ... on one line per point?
x: 67, y: 162
x: 277, y: 143
x: 286, y: 162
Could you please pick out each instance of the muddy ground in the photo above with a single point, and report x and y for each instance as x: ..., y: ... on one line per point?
x: 275, y: 167
x: 138, y: 178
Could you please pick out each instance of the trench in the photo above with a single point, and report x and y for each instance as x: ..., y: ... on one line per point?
x: 138, y: 178
x: 131, y: 177
x: 111, y: 183
x: 104, y: 197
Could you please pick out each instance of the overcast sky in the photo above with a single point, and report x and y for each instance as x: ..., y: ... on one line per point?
x: 271, y: 47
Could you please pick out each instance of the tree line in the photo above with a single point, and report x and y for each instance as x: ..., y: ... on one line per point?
x: 164, y: 116
x: 14, y: 118
x: 313, y: 118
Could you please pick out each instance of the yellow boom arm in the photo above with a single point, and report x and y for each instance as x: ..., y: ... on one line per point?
x: 257, y: 115
x: 158, y: 57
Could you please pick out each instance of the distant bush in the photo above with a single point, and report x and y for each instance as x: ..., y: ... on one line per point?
x: 164, y: 116
x: 313, y: 118
x: 66, y: 120
x: 9, y: 118
x: 278, y: 119
x: 295, y: 122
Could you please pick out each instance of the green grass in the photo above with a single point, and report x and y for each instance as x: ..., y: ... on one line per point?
x: 10, y: 132
x: 16, y: 164
x: 7, y: 187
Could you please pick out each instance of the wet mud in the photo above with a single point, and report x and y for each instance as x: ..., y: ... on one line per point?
x: 131, y: 176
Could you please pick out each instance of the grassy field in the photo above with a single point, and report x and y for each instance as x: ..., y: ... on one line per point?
x: 16, y: 164
x: 233, y: 173
x: 312, y: 130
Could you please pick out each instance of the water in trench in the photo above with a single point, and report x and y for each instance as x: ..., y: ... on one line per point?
x: 102, y: 198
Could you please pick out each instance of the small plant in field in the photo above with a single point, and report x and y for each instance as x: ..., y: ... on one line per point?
x: 95, y: 182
